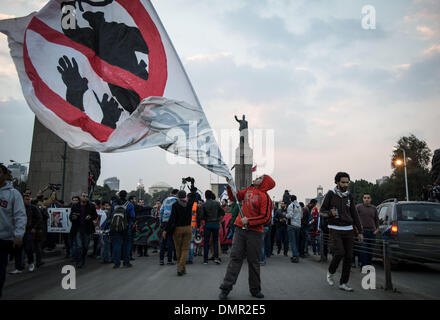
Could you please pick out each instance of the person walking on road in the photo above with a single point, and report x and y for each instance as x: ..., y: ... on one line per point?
x: 338, y: 206
x: 294, y: 227
x: 370, y: 222
x: 306, y: 225
x: 280, y: 221
x: 212, y: 213
x: 121, y: 221
x: 82, y: 216
x: 167, y: 243
x: 257, y: 209
x: 13, y: 221
x: 179, y: 226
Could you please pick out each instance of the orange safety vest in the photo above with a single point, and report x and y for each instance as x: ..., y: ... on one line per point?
x: 194, y: 215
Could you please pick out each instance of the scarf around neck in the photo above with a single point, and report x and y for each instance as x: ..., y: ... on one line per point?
x: 340, y: 193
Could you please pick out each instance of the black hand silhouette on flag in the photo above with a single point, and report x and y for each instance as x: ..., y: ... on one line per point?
x: 117, y: 44
x: 76, y: 85
x: 110, y: 109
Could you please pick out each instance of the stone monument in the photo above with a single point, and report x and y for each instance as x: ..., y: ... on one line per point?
x: 53, y: 161
x: 243, y: 157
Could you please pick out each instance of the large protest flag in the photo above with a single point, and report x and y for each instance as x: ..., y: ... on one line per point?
x: 104, y: 76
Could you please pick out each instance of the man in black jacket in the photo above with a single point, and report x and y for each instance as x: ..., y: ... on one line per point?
x: 179, y: 226
x: 82, y: 216
x: 34, y: 220
x: 338, y: 206
x: 280, y: 221
x: 212, y: 213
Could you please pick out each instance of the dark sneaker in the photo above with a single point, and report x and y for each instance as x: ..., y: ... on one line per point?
x: 217, y: 261
x: 205, y: 262
x: 170, y: 263
x: 223, y: 295
x: 258, y: 295
x: 212, y: 258
x: 115, y: 267
x: 161, y: 263
x: 294, y: 259
x: 189, y: 262
x: 39, y: 264
x: 128, y: 265
x: 180, y: 273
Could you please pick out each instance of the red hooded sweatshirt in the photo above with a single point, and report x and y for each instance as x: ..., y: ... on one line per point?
x: 257, y: 205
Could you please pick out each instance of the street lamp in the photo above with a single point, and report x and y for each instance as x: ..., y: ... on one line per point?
x: 398, y: 162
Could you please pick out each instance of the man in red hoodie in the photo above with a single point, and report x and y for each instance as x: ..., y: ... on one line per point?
x: 257, y: 210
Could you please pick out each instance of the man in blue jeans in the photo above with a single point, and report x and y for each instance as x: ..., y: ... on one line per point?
x: 122, y: 241
x: 294, y: 227
x: 212, y: 213
x: 306, y: 225
x: 167, y: 243
x: 370, y: 222
x: 265, y: 250
x: 82, y: 216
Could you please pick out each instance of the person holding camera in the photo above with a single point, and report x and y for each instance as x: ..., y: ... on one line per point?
x: 179, y: 225
x: 82, y: 216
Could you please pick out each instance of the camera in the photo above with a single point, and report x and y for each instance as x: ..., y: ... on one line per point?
x: 188, y: 179
x: 54, y: 186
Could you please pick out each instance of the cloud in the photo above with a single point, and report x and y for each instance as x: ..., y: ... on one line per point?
x: 222, y: 77
x: 427, y: 32
x: 435, y: 49
x: 208, y: 57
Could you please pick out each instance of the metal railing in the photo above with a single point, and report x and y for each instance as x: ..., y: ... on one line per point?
x: 387, y: 250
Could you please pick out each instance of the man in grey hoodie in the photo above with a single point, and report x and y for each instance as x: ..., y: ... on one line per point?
x: 13, y: 221
x: 294, y: 213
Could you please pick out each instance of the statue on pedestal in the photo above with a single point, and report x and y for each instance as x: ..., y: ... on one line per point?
x: 243, y: 123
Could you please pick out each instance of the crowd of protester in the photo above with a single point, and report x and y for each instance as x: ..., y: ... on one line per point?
x: 189, y: 226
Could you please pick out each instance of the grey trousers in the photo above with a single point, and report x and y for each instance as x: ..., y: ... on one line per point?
x: 245, y: 244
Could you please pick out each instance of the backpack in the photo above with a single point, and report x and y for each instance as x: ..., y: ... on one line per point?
x: 119, y: 218
x: 307, y: 217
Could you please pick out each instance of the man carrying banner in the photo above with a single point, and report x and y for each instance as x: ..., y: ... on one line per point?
x: 248, y: 237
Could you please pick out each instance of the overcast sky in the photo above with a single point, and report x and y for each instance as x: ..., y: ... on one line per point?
x: 336, y: 96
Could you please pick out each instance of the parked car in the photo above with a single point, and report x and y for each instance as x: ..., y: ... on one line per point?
x: 413, y: 228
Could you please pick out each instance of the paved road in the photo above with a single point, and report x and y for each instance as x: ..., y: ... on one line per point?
x: 147, y: 280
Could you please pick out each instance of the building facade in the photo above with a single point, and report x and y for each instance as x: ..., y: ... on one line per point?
x: 112, y: 183
x: 158, y: 187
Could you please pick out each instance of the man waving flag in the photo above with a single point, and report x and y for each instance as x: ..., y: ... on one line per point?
x: 104, y: 76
